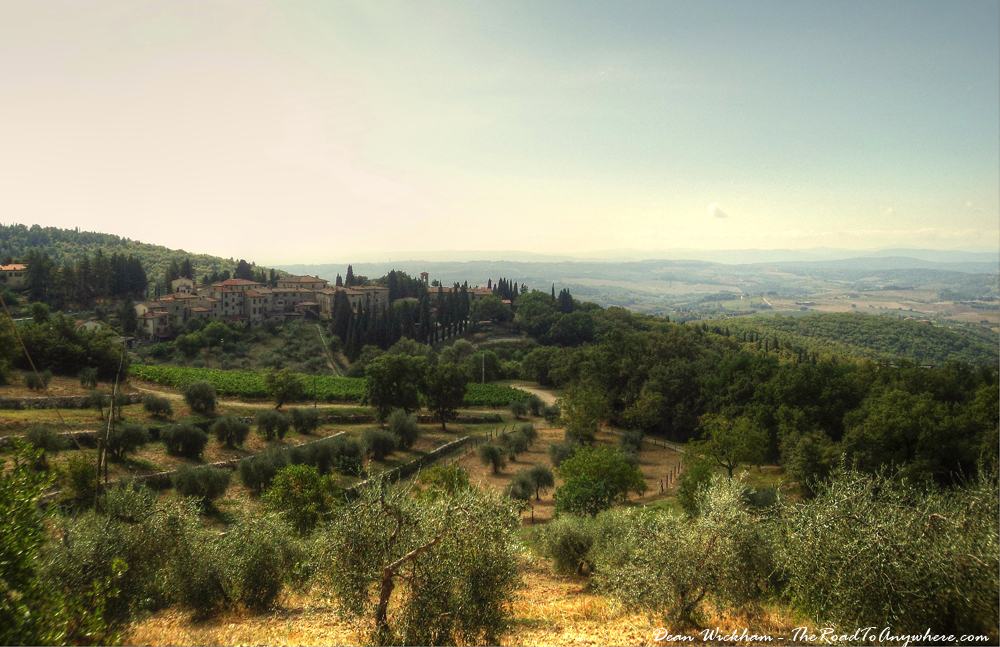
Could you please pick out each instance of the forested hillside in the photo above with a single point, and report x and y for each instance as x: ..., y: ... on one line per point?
x: 871, y: 337
x: 68, y: 246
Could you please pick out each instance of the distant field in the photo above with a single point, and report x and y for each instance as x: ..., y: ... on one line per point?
x: 250, y: 385
x: 872, y: 337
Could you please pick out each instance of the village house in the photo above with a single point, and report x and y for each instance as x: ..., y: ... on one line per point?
x: 13, y: 275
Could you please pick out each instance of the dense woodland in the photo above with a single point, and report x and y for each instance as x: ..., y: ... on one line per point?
x: 684, y: 382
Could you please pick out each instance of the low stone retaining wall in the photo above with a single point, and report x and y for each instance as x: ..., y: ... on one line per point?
x: 63, y: 402
x: 408, y: 469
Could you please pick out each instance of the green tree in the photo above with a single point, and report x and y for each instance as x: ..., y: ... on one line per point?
x: 584, y: 408
x: 444, y: 389
x: 302, y: 496
x: 730, y: 443
x: 391, y: 382
x: 283, y: 386
x: 594, y: 478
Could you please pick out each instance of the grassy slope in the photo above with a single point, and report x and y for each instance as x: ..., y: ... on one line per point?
x: 871, y: 337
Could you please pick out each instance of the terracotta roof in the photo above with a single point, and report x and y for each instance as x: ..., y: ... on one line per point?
x: 237, y: 282
x: 255, y: 293
x: 13, y: 267
x: 302, y: 279
x: 200, y: 309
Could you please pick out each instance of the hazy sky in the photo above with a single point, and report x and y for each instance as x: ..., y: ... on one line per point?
x: 307, y: 131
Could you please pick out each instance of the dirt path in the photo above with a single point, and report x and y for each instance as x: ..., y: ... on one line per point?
x: 146, y: 388
x: 548, y: 397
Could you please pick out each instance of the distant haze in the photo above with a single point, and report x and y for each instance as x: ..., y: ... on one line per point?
x: 309, y: 131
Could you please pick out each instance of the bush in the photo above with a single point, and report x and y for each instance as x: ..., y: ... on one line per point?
x: 460, y: 569
x: 535, y: 404
x: 257, y: 472
x: 184, y: 440
x: 255, y: 554
x: 560, y: 452
x: 513, y: 444
x: 302, y: 496
x: 37, y: 382
x: 80, y: 482
x: 157, y: 406
x: 567, y: 541
x: 378, y: 443
x: 230, y: 431
x: 272, y: 424
x: 127, y: 439
x: 200, y: 396
x: 669, y: 564
x: 518, y: 408
x: 305, y: 421
x: 88, y: 377
x: 937, y: 547
x: 204, y: 483
x: 100, y: 400
x: 529, y: 432
x: 695, y: 477
x: 404, y: 427
x: 490, y: 454
x: 43, y: 438
x: 552, y: 413
x: 594, y: 478
x: 630, y: 442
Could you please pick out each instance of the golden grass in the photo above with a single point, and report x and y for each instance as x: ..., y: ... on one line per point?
x: 549, y: 610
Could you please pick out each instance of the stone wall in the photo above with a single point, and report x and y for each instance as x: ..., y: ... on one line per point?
x: 64, y: 402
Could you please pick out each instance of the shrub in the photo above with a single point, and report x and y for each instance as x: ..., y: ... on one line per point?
x: 43, y: 438
x: 255, y: 555
x: 535, y: 404
x: 37, y: 382
x: 630, y: 442
x: 204, y: 483
x: 200, y: 396
x: 520, y: 486
x: 257, y: 472
x: 443, y: 481
x: 348, y: 452
x: 518, y: 408
x: 404, y: 427
x: 272, y: 424
x: 99, y: 399
x: 567, y: 540
x: 127, y: 439
x: 560, y: 452
x: 693, y: 479
x: 230, y: 431
x: 378, y: 443
x: 305, y: 421
x: 80, y: 482
x: 459, y: 590
x: 594, y: 478
x: 302, y: 496
x: 184, y: 440
x: 541, y: 479
x: 88, y: 377
x: 107, y: 567
x: 490, y: 454
x: 669, y: 564
x: 552, y: 413
x: 529, y: 432
x: 937, y: 547
x: 513, y: 444
x: 157, y: 406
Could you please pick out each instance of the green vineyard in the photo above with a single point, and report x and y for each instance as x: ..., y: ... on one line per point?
x: 250, y: 385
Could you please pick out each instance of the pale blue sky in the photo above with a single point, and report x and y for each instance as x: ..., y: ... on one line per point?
x: 307, y: 130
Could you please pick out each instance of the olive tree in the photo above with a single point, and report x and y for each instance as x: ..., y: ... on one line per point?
x: 425, y: 570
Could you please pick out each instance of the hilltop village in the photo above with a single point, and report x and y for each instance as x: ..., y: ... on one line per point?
x: 252, y: 302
